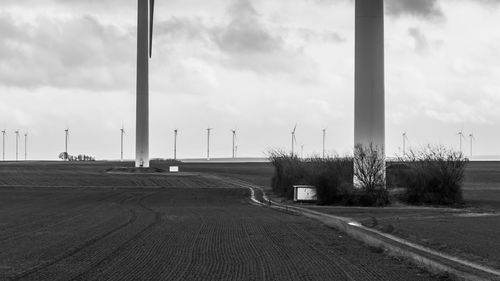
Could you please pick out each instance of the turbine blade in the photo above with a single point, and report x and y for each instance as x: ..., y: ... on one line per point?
x: 151, y: 23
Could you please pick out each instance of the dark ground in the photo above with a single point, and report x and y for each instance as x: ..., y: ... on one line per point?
x: 471, y: 232
x: 61, y: 221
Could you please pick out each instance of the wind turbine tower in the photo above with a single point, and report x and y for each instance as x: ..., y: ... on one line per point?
x: 144, y: 51
x: 369, y: 96
x: 405, y: 138
x: 460, y: 136
x: 66, y: 143
x: 3, y: 144
x: 472, y: 138
x: 122, y: 132
x: 25, y: 146
x: 234, y: 142
x: 324, y: 137
x: 175, y: 144
x: 208, y: 142
x: 17, y: 145
x: 293, y: 139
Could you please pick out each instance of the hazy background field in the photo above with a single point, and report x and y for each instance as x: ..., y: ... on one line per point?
x: 76, y: 221
x: 481, y: 185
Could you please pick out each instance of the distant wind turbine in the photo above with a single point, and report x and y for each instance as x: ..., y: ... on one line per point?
x: 175, y: 144
x: 66, y: 143
x: 472, y: 138
x: 405, y: 138
x: 3, y: 144
x: 302, y: 151
x: 234, y: 142
x: 460, y: 136
x: 208, y: 142
x: 293, y: 139
x: 144, y: 52
x: 17, y: 145
x: 122, y: 132
x: 324, y: 137
x: 25, y: 146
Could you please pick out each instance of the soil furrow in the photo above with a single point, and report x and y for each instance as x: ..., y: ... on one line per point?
x: 115, y: 252
x: 73, y: 251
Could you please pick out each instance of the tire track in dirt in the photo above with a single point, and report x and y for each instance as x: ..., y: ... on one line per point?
x: 21, y: 234
x: 156, y: 250
x: 132, y: 218
x: 339, y: 262
x: 108, y: 258
x: 354, y: 272
x: 209, y: 234
x: 303, y: 251
x: 166, y: 247
x: 342, y: 267
x: 359, y: 270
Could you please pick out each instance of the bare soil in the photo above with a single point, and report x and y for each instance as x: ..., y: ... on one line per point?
x: 471, y: 232
x: 77, y: 222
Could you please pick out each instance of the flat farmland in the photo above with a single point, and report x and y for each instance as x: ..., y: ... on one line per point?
x: 471, y: 232
x: 81, y: 223
x: 256, y: 173
x: 482, y: 184
x: 93, y: 174
x: 481, y: 187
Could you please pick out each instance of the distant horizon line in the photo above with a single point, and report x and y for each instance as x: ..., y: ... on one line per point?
x: 475, y: 158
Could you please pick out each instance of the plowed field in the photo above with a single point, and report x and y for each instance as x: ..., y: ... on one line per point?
x: 183, y: 229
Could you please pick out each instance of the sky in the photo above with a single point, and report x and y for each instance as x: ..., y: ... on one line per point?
x: 256, y: 66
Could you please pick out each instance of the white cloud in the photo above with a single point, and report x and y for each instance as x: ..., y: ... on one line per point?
x: 421, y: 43
x: 74, y: 53
x: 428, y: 9
x: 258, y: 65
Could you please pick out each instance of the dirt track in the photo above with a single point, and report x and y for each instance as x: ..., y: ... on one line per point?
x: 173, y: 234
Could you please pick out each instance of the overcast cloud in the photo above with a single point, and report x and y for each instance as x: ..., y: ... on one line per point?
x: 255, y: 65
x: 428, y: 9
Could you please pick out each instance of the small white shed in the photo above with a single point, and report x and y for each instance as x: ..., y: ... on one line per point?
x: 305, y: 193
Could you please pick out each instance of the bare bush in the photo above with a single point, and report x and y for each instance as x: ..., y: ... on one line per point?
x: 288, y: 170
x: 369, y: 167
x: 332, y: 176
x: 433, y: 175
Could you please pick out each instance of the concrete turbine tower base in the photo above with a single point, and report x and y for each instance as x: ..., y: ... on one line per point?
x: 369, y: 110
x: 142, y: 105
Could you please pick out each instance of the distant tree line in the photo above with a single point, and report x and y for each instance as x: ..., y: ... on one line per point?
x: 80, y: 157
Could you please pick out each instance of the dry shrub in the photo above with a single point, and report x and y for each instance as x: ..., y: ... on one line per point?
x: 332, y: 176
x: 433, y: 175
x: 369, y: 174
x: 288, y: 171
